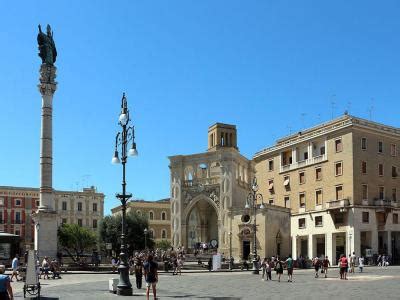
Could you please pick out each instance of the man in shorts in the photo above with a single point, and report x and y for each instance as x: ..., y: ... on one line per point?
x: 289, y: 265
x: 151, y: 276
x: 15, y: 266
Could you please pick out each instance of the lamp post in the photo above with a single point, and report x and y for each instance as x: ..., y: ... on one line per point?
x: 350, y: 236
x: 230, y: 251
x: 124, y: 287
x: 145, y: 231
x: 251, y: 202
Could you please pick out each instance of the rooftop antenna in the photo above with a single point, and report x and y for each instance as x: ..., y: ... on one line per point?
x: 333, y: 98
x: 348, y: 107
x: 370, y: 109
x: 302, y: 120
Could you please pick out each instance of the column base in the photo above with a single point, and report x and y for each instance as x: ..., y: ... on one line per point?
x: 46, y: 233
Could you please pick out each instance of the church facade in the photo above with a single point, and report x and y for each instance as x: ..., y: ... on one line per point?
x: 209, y: 193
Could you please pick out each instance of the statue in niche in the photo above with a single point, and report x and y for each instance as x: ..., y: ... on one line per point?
x: 47, y: 47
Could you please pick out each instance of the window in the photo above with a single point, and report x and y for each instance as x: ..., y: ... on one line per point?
x: 302, y: 200
x: 17, y: 202
x: 395, y: 219
x: 318, y: 174
x: 364, y: 167
x: 286, y: 182
x: 163, y: 216
x: 287, y: 201
x: 271, y: 185
x: 338, y: 145
x: 339, y: 192
x: 64, y: 221
x: 80, y: 222
x: 394, y: 195
x: 365, y: 217
x: 37, y: 203
x: 364, y: 192
x: 151, y: 215
x: 302, y: 177
x: 94, y: 223
x: 393, y: 150
x: 64, y: 205
x: 338, y: 168
x: 151, y: 233
x: 1, y: 201
x: 380, y: 147
x: 305, y: 155
x: 163, y: 234
x: 322, y: 150
x: 380, y: 169
x: 270, y: 165
x: 318, y: 221
x: 318, y: 197
x: 381, y: 190
x: 271, y: 201
x: 394, y: 171
x: 17, y: 232
x: 302, y: 223
x: 94, y: 206
x: 363, y: 143
x: 79, y: 206
x: 17, y: 217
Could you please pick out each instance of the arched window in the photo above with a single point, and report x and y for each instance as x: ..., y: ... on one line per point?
x: 151, y: 215
x: 163, y: 216
x: 139, y: 212
x: 163, y: 234
x: 151, y: 233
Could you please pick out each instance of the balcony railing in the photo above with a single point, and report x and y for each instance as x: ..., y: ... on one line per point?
x: 382, y: 202
x: 303, y: 163
x: 201, y: 181
x: 342, y: 203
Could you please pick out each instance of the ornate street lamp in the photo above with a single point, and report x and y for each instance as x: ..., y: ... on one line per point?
x: 124, y: 287
x: 145, y: 231
x: 251, y: 202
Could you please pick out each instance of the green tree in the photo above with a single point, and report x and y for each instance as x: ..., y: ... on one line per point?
x: 110, y: 232
x: 163, y: 244
x: 75, y: 240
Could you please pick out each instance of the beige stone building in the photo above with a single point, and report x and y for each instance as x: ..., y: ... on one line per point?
x: 85, y: 208
x: 158, y: 214
x: 340, y: 180
x: 208, y: 198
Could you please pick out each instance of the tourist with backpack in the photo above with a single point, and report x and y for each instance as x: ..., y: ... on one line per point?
x: 151, y: 276
x: 326, y: 264
x: 289, y: 266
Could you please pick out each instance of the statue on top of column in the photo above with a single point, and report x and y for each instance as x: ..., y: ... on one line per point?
x: 47, y: 47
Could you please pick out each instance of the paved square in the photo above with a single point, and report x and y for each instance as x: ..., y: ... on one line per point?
x: 374, y: 283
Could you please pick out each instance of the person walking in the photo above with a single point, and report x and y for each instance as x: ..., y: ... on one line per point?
x: 6, y: 291
x: 289, y: 266
x: 361, y: 263
x: 279, y: 268
x: 151, y: 276
x: 45, y: 268
x: 352, y: 262
x: 15, y: 266
x: 326, y: 264
x: 343, y: 264
x: 268, y: 268
x: 138, y: 267
x: 317, y: 266
x: 264, y: 268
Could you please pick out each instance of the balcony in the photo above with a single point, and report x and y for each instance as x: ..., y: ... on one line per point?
x: 304, y: 163
x: 341, y: 204
x: 201, y: 181
x: 382, y: 202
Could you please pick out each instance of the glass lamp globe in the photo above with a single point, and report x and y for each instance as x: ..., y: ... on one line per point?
x: 247, y: 205
x: 123, y: 119
x: 262, y: 206
x: 115, y: 159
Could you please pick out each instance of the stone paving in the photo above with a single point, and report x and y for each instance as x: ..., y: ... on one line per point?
x: 374, y: 283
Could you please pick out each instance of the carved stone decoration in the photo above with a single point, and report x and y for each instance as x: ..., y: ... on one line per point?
x: 211, y: 192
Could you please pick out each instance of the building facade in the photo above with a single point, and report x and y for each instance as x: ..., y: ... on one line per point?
x: 208, y: 197
x: 158, y: 214
x: 340, y: 180
x: 85, y: 208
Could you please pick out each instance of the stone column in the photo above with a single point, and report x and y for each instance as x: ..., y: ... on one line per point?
x: 310, y: 246
x: 45, y: 217
x: 329, y: 248
x: 389, y: 242
x: 294, y: 247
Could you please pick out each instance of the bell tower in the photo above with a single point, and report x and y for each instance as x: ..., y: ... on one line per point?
x: 222, y: 136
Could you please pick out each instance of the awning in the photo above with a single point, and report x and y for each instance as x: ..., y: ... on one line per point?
x: 271, y: 186
x: 286, y: 182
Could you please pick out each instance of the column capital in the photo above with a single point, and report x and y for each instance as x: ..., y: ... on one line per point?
x: 47, y: 85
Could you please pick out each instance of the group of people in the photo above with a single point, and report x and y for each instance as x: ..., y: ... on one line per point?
x: 278, y: 265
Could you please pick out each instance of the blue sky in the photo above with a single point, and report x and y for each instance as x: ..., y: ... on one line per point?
x: 270, y: 67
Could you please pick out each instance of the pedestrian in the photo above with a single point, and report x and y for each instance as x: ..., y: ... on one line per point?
x: 6, y: 291
x: 352, y: 262
x: 210, y: 264
x: 317, y: 265
x: 269, y: 269
x: 326, y: 264
x: 289, y: 266
x: 114, y: 264
x: 45, y: 268
x: 279, y: 268
x: 151, y: 276
x: 138, y: 266
x: 343, y: 263
x: 15, y: 266
x: 361, y: 263
x: 264, y: 268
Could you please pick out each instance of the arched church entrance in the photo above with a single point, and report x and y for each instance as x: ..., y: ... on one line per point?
x: 202, y: 223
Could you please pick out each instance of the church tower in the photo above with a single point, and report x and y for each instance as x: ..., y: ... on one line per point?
x: 222, y: 135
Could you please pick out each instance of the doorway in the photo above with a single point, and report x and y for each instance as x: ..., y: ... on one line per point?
x: 246, y: 250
